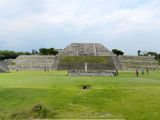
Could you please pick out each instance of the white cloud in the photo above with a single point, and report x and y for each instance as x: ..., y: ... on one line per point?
x: 113, y: 18
x: 83, y: 14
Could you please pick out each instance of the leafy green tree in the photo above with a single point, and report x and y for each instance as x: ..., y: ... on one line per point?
x: 43, y: 51
x: 152, y: 54
x: 117, y: 52
x: 34, y: 52
x: 47, y: 51
x: 6, y: 54
x: 139, y: 52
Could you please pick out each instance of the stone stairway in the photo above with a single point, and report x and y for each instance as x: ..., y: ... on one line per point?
x: 55, y: 63
x: 117, y: 63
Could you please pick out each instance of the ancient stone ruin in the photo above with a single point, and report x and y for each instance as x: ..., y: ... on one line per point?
x: 95, y: 57
x: 36, y: 62
x: 85, y: 49
x: 99, y: 60
x: 3, y: 67
x: 133, y: 62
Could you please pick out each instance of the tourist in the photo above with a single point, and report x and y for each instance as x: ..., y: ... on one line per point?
x: 142, y: 71
x: 17, y: 69
x: 137, y: 72
x: 147, y: 71
x: 45, y: 69
x: 117, y: 73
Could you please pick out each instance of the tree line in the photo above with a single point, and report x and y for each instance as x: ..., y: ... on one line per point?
x: 8, y: 54
x: 153, y: 54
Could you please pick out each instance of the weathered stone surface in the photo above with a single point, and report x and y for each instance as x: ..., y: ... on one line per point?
x: 91, y: 73
x: 90, y: 66
x: 132, y: 62
x: 85, y: 49
x: 37, y: 62
x: 113, y: 62
x: 3, y: 67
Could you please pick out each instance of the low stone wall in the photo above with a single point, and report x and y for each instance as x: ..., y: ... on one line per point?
x: 91, y: 73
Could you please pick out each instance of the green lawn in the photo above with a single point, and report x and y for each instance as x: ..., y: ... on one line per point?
x: 122, y: 97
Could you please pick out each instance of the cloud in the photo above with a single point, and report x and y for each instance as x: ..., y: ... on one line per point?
x: 82, y: 20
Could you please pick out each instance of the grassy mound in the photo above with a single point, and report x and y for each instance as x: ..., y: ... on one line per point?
x: 83, y: 59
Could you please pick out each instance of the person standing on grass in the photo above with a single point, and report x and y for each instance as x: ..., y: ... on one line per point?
x: 17, y: 69
x: 45, y: 69
x: 137, y: 72
x: 117, y: 72
x: 147, y: 71
x: 142, y: 71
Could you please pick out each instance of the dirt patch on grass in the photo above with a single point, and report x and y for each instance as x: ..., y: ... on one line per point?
x: 38, y: 111
x: 85, y: 87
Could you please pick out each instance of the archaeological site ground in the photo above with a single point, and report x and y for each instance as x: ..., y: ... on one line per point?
x: 61, y: 96
x: 84, y: 81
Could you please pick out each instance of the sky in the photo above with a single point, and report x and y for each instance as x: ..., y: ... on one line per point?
x: 128, y: 25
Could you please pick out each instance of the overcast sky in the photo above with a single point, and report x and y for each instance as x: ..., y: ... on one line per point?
x: 128, y: 25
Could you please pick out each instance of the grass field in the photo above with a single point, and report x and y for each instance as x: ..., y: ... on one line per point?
x: 59, y: 96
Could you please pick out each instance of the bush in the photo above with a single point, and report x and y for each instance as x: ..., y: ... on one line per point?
x: 117, y: 52
x: 48, y: 51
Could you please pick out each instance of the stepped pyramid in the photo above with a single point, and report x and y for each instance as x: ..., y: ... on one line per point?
x: 85, y: 49
x: 88, y: 53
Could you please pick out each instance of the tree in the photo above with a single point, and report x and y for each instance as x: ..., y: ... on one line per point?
x: 47, y: 51
x: 34, y: 52
x: 7, y: 54
x: 2, y: 57
x: 43, y: 51
x: 117, y: 52
x: 152, y: 54
x: 139, y: 52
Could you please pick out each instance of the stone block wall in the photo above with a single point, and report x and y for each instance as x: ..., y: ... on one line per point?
x: 85, y: 49
x: 132, y: 62
x: 3, y: 67
x: 36, y: 62
x: 91, y: 73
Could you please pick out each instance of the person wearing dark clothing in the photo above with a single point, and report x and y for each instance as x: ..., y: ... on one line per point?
x: 142, y: 71
x: 137, y: 72
x: 147, y: 71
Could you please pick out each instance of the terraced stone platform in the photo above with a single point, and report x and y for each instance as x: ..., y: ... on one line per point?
x: 94, y: 63
x: 75, y: 55
x: 98, y: 57
x: 132, y: 62
x: 3, y: 67
x: 36, y: 62
x: 85, y: 49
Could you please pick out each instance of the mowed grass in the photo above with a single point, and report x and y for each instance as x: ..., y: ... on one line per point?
x: 123, y: 97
